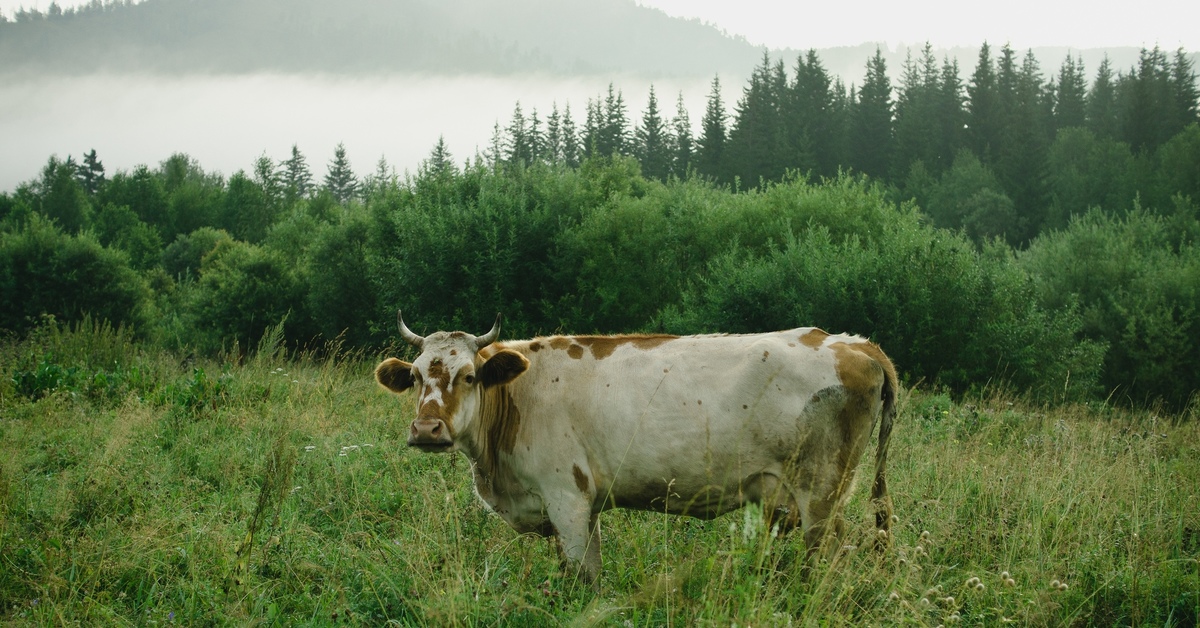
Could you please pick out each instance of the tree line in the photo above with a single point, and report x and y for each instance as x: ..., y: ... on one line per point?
x: 584, y: 229
x: 1005, y: 154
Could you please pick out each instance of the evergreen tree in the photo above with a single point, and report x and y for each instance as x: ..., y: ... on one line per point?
x: 571, y: 151
x: 592, y: 128
x: 810, y: 116
x: 1185, y: 99
x: 1144, y: 99
x: 710, y: 147
x: 984, y: 111
x: 871, y: 140
x: 612, y: 135
x: 757, y: 139
x: 652, y: 141
x: 917, y: 128
x: 950, y: 113
x: 440, y: 161
x: 1101, y: 103
x: 340, y: 180
x: 681, y: 138
x: 518, y: 147
x: 91, y: 173
x: 1070, y: 99
x: 552, y: 150
x: 297, y: 179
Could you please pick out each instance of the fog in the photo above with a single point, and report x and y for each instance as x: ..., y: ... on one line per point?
x: 227, y: 121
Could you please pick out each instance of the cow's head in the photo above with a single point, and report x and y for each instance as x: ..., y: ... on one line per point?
x: 450, y: 377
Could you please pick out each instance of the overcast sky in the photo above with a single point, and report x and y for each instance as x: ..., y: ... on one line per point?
x: 944, y: 23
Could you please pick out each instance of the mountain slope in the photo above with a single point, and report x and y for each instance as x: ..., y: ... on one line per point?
x: 355, y: 36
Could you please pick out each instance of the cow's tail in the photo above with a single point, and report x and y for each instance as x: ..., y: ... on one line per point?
x: 879, y: 492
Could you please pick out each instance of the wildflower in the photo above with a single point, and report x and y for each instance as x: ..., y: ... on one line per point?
x: 893, y: 596
x: 979, y: 586
x: 895, y: 519
x: 924, y: 536
x: 309, y: 447
x: 1054, y: 584
x: 948, y: 600
x: 924, y: 602
x: 972, y: 582
x: 953, y: 618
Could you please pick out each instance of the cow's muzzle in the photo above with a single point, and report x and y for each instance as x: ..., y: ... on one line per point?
x: 430, y: 435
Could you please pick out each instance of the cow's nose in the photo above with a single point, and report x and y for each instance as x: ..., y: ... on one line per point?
x: 430, y: 434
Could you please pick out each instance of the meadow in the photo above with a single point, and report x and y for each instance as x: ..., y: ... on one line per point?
x: 268, y: 487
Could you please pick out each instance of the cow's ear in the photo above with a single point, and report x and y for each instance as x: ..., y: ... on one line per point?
x: 394, y: 375
x: 503, y: 368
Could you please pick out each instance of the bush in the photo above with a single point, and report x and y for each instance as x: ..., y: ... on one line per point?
x: 1139, y: 290
x: 941, y: 312
x: 242, y: 290
x: 45, y: 271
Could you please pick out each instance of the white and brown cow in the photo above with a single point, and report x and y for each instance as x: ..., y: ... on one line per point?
x: 560, y: 428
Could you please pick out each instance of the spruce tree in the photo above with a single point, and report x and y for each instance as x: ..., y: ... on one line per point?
x: 710, y: 147
x: 297, y: 178
x: 651, y: 141
x: 615, y: 138
x: 340, y: 180
x: 518, y: 148
x: 1101, y: 118
x: 571, y: 151
x: 553, y: 145
x: 811, y: 118
x: 91, y: 173
x: 984, y: 111
x: 440, y: 162
x: 1070, y: 96
x: 871, y: 141
x: 757, y: 137
x: 681, y: 138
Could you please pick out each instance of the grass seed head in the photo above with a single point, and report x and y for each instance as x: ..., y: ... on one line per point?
x: 1054, y: 584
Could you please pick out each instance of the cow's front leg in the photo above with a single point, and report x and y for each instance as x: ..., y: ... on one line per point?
x: 578, y: 532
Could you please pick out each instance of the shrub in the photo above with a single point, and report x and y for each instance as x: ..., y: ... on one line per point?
x: 45, y: 271
x: 1138, y: 288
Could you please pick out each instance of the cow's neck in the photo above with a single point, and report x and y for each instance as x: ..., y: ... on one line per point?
x: 492, y: 433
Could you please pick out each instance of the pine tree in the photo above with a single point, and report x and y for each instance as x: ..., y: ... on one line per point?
x: 340, y: 180
x: 612, y: 125
x: 91, y: 173
x: 1145, y: 102
x: 951, y: 113
x: 1070, y: 95
x: 681, y: 138
x: 871, y: 141
x: 651, y: 141
x: 297, y: 178
x: 710, y: 147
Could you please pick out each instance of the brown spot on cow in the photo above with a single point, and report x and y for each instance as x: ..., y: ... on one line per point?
x: 559, y: 342
x: 814, y: 338
x: 575, y: 351
x: 581, y: 479
x: 501, y: 424
x: 766, y: 354
x: 604, y: 346
x: 535, y: 347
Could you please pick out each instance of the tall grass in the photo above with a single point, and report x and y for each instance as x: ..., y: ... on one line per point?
x: 278, y: 490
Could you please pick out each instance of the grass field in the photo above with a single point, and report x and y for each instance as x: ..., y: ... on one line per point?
x: 139, y: 488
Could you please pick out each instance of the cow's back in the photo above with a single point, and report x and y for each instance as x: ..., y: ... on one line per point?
x: 695, y: 424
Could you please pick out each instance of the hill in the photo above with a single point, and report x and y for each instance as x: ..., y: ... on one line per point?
x: 369, y: 36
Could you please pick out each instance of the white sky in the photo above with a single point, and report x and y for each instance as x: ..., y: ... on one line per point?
x: 943, y: 23
x: 946, y: 23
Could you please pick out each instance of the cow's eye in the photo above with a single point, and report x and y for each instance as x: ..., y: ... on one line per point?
x: 469, y: 378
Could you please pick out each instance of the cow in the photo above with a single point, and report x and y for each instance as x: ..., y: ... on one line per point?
x: 561, y: 428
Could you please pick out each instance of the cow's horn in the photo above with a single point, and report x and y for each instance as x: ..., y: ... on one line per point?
x: 491, y: 336
x: 407, y: 333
